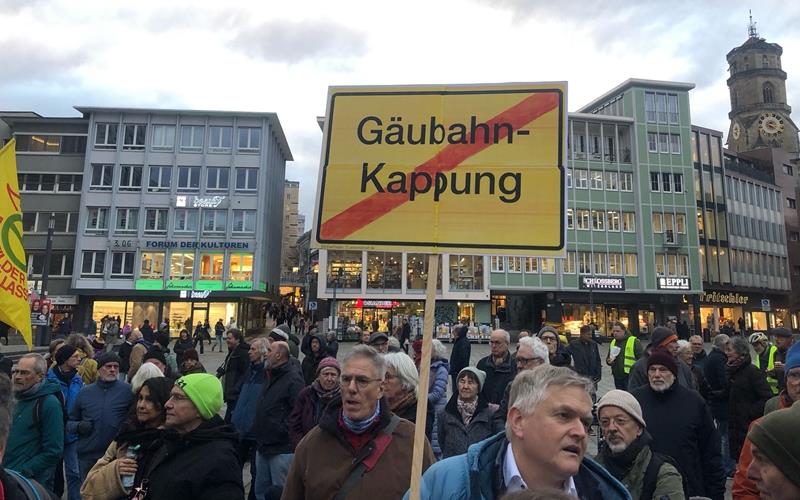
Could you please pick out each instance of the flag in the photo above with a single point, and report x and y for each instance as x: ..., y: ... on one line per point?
x: 14, y: 308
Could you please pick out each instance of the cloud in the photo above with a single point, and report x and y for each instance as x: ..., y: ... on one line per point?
x: 295, y: 41
x: 27, y: 60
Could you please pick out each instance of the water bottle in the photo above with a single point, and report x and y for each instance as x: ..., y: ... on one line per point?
x: 127, y: 480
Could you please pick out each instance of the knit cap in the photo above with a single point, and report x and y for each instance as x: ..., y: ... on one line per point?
x: 548, y: 329
x: 776, y: 437
x: 479, y: 374
x: 279, y: 334
x: 792, y: 358
x: 155, y: 354
x: 205, y: 391
x: 624, y: 401
x: 106, y: 358
x: 663, y: 357
x: 662, y: 336
x: 328, y: 362
x: 64, y: 353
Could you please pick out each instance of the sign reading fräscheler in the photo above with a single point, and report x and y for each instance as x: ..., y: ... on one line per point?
x: 472, y: 168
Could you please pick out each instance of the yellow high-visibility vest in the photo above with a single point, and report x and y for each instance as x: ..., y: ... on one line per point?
x: 630, y: 355
x: 772, y: 381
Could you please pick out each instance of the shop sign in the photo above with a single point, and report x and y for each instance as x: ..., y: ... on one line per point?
x: 144, y: 284
x: 179, y: 285
x: 724, y: 298
x: 377, y: 304
x: 123, y: 243
x: 203, y: 245
x: 63, y: 300
x: 765, y: 305
x: 422, y: 166
x: 194, y: 294
x: 592, y: 283
x: 239, y: 286
x: 201, y: 201
x: 208, y: 285
x: 673, y: 283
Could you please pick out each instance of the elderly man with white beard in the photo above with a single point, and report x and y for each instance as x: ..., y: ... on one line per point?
x: 627, y: 454
x: 680, y: 423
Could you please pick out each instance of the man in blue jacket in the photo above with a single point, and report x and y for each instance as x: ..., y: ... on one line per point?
x: 550, y: 410
x: 65, y: 374
x: 99, y: 411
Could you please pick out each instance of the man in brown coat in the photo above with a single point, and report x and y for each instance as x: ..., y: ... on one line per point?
x: 349, y: 427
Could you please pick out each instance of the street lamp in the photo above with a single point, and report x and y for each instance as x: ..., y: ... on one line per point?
x: 51, y: 226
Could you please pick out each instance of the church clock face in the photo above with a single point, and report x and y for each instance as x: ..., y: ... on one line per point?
x: 770, y: 124
x: 737, y: 130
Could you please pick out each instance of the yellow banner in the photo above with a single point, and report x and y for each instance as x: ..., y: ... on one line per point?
x: 14, y: 308
x: 462, y: 168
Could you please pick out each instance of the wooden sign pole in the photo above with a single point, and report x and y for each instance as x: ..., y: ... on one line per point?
x: 424, y: 375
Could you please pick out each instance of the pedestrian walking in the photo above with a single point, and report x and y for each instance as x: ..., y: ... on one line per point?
x: 219, y: 334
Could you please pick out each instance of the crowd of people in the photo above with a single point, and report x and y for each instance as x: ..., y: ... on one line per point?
x: 142, y: 421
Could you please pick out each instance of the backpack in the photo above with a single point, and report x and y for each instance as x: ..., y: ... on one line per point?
x: 30, y: 489
x: 37, y: 409
x: 651, y: 475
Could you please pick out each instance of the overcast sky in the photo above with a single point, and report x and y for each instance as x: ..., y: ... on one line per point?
x: 281, y: 56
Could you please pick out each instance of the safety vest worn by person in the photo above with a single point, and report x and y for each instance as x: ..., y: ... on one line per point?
x: 772, y: 381
x: 630, y: 356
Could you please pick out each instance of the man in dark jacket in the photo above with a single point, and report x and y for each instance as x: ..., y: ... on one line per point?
x: 125, y: 356
x: 559, y: 355
x: 245, y: 412
x: 698, y: 350
x: 147, y: 332
x: 662, y: 338
x: 99, y: 411
x: 333, y: 345
x: 499, y: 367
x: 405, y: 335
x: 715, y: 370
x: 461, y: 352
x: 783, y: 341
x: 196, y: 457
x: 586, y: 355
x: 233, y: 369
x: 275, y: 404
x: 681, y: 426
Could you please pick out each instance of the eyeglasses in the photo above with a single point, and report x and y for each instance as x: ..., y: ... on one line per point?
x: 497, y: 342
x: 527, y: 361
x: 618, y: 421
x: 361, y: 381
x: 178, y: 397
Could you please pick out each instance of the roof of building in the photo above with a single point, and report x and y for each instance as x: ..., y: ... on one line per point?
x: 757, y: 44
x: 636, y: 82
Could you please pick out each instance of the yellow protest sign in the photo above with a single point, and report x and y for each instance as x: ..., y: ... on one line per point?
x: 14, y: 308
x: 468, y: 168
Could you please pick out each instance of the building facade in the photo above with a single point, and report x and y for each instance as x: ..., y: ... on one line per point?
x: 181, y: 216
x: 291, y: 227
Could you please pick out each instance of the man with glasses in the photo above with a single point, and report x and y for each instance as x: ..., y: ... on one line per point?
x: 499, y: 367
x: 559, y: 356
x: 531, y: 352
x: 698, y: 350
x: 276, y: 402
x: 367, y: 449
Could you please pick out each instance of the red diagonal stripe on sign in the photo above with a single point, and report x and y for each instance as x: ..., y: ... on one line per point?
x: 372, y: 208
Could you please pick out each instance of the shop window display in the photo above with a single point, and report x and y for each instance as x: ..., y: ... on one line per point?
x: 417, y: 272
x: 350, y: 264
x: 383, y: 270
x: 241, y: 267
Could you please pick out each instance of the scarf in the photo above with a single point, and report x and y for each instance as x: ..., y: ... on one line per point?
x: 30, y: 391
x: 65, y: 377
x: 618, y: 464
x: 360, y: 426
x: 467, y: 409
x: 323, y: 394
x: 407, y: 400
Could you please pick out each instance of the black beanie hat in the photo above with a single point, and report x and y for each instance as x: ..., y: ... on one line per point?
x: 64, y: 353
x: 107, y: 357
x: 155, y: 354
x: 664, y: 358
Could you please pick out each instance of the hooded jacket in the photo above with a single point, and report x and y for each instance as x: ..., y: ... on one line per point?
x: 497, y: 377
x: 275, y: 404
x: 105, y: 404
x: 32, y: 450
x: 249, y: 389
x: 748, y: 392
x: 310, y: 361
x: 233, y: 369
x: 455, y: 437
x: 69, y: 390
x: 478, y: 475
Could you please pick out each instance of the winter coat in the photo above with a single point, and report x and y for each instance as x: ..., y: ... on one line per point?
x: 200, y: 465
x: 244, y: 413
x: 294, y: 345
x: 314, y: 475
x: 305, y: 346
x: 70, y: 393
x: 309, y: 366
x: 460, y: 354
x: 233, y: 369
x: 409, y: 412
x: 306, y: 413
x: 454, y: 436
x: 180, y: 347
x: 333, y: 349
x: 147, y: 333
x: 748, y: 392
x: 586, y: 358
x: 618, y: 365
x: 105, y: 404
x: 125, y: 356
x: 562, y: 356
x: 715, y: 370
x: 497, y: 377
x: 103, y: 481
x: 35, y: 451
x: 437, y: 397
x: 681, y: 425
x: 138, y: 351
x: 700, y: 359
x: 639, y: 378
x: 478, y: 475
x: 14, y: 488
x: 275, y: 404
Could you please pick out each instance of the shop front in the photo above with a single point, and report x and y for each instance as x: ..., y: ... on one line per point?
x: 758, y: 311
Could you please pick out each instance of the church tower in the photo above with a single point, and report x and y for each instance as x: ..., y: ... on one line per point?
x: 759, y: 113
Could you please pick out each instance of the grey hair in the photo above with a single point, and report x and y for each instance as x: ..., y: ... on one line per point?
x: 145, y: 372
x: 529, y: 388
x: 393, y: 342
x: 538, y: 348
x: 505, y: 334
x: 684, y: 345
x: 39, y: 363
x: 405, y: 370
x: 439, y: 350
x: 740, y: 345
x: 262, y: 344
x: 371, y: 355
x: 721, y: 340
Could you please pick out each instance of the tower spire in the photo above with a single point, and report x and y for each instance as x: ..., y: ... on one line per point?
x: 751, y: 29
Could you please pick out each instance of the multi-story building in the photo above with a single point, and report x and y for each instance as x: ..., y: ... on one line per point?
x: 181, y: 215
x: 743, y: 253
x: 291, y: 230
x: 632, y: 244
x: 50, y: 157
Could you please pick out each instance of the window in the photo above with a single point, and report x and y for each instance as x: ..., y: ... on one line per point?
x: 241, y: 267
x: 155, y: 220
x: 417, y: 271
x: 69, y: 183
x: 675, y: 144
x: 612, y: 181
x: 597, y: 180
x: 122, y: 264
x: 628, y: 222
x: 583, y: 219
x: 658, y: 223
x: 769, y: 92
x: 584, y: 263
x: 160, y: 179
x: 152, y: 265
x: 130, y: 178
x: 600, y: 264
x: 514, y: 264
x: 569, y: 177
x: 650, y: 106
x: 598, y: 220
x: 531, y: 265
x: 39, y: 143
x: 181, y: 266
x: 613, y: 220
x: 666, y: 184
x: 97, y: 219
x: 93, y: 264
x: 654, y: 181
x: 680, y: 223
x: 583, y: 179
x: 787, y: 169
x: 246, y: 179
x: 630, y: 264
x: 249, y: 139
x: 570, y: 219
x: 672, y: 264
x: 60, y: 264
x: 794, y: 236
x: 188, y: 179
x: 214, y: 221
x: 134, y: 137
x: 626, y: 181
x: 211, y: 266
x: 652, y: 142
x: 217, y: 179
x: 548, y: 265
x: 220, y: 139
x: 661, y: 108
x: 791, y: 203
x: 102, y: 176
x: 163, y: 138
x: 192, y: 138
x: 663, y: 143
x: 672, y: 108
x: 683, y: 265
x: 661, y: 269
x: 677, y: 183
x: 63, y: 222
x: 498, y: 264
x: 569, y: 263
x: 186, y: 220
x: 105, y: 136
x: 244, y: 221
x: 615, y: 264
x: 127, y: 220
